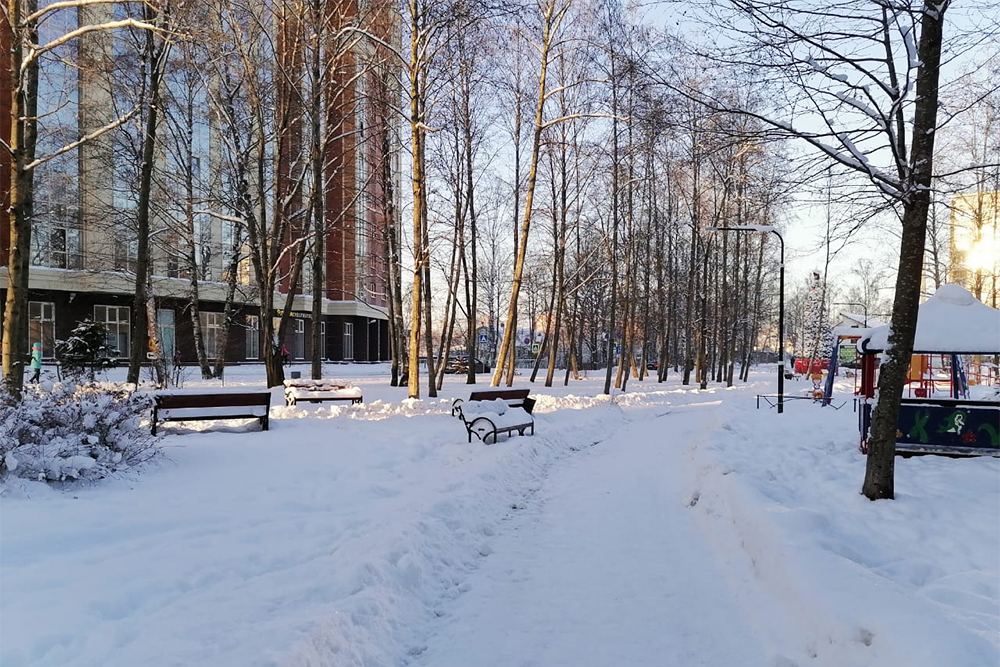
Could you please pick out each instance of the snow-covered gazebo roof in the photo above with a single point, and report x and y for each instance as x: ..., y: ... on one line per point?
x: 951, y: 321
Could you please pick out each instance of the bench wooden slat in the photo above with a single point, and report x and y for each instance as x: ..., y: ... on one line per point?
x: 207, y: 400
x: 493, y: 394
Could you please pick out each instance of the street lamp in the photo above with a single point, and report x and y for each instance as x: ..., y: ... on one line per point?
x: 855, y: 303
x: 781, y: 301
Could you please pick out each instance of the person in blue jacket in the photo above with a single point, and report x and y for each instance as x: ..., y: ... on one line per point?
x: 36, y: 362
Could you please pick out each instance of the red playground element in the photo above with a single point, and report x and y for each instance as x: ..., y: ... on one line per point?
x: 818, y: 366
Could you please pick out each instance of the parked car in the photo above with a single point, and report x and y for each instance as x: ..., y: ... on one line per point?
x: 652, y: 365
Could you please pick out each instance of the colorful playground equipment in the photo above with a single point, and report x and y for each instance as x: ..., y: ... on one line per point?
x: 952, y: 324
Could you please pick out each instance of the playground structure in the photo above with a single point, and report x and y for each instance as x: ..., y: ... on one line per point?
x: 844, y: 354
x: 951, y: 325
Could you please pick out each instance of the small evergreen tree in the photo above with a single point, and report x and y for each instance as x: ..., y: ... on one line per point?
x: 85, y: 351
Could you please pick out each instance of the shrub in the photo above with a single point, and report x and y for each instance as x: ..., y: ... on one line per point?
x: 85, y: 351
x: 66, y: 431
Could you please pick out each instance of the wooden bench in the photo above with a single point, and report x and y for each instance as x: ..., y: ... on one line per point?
x: 200, y: 405
x: 316, y: 391
x: 484, y: 416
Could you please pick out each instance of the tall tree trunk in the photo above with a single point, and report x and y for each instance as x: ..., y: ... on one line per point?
x: 429, y: 324
x: 612, y: 323
x: 140, y: 324
x: 397, y: 332
x: 418, y: 185
x: 879, y: 482
x: 317, y: 194
x: 550, y: 25
x: 473, y: 247
x: 23, y: 136
x: 229, y: 309
x: 702, y: 374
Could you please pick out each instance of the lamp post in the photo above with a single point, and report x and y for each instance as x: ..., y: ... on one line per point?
x: 781, y: 301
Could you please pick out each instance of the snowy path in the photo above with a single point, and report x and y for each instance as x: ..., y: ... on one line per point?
x: 609, y: 567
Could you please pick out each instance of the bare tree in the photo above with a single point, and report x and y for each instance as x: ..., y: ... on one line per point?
x: 870, y: 83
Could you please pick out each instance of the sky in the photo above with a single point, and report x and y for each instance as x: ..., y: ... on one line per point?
x: 803, y: 223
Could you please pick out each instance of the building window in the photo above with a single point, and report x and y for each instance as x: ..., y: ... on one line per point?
x: 253, y: 337
x: 57, y: 246
x: 362, y: 176
x: 165, y: 324
x: 211, y: 334
x: 42, y: 327
x: 116, y: 321
x: 126, y: 252
x: 348, y: 340
x: 300, y: 339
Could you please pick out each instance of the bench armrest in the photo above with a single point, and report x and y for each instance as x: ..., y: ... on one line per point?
x: 483, y: 431
x: 528, y: 405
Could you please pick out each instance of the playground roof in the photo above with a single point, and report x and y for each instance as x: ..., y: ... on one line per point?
x: 951, y: 321
x: 857, y: 321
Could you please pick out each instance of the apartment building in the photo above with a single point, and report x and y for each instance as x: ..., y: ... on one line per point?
x: 83, y: 254
x: 974, y: 248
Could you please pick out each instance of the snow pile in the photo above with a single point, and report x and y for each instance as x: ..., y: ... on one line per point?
x: 952, y: 320
x: 914, y: 581
x: 375, y: 410
x: 70, y: 432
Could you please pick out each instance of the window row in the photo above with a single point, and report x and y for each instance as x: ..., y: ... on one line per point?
x: 117, y: 323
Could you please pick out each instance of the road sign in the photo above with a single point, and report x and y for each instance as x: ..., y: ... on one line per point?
x: 534, y: 348
x: 483, y: 338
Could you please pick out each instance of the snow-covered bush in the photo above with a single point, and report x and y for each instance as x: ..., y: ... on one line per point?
x: 65, y: 431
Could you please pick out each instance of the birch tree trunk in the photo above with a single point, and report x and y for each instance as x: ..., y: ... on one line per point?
x: 551, y: 21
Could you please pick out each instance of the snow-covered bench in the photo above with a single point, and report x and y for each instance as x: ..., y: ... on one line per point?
x: 493, y: 412
x: 192, y: 406
x: 316, y: 391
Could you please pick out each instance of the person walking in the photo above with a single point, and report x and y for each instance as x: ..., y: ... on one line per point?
x: 36, y: 362
x: 284, y: 355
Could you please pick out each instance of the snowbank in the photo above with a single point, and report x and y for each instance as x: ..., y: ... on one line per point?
x: 914, y: 581
x: 340, y: 536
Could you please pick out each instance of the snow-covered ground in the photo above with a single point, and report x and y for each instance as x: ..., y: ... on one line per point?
x: 665, y: 526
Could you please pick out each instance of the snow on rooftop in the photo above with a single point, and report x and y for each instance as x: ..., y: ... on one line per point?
x: 859, y: 320
x: 952, y: 320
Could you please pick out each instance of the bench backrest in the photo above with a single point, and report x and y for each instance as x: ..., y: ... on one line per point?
x: 504, y: 394
x: 212, y: 400
x: 315, y: 385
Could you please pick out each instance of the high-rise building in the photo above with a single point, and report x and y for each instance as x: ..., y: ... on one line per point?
x: 83, y: 256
